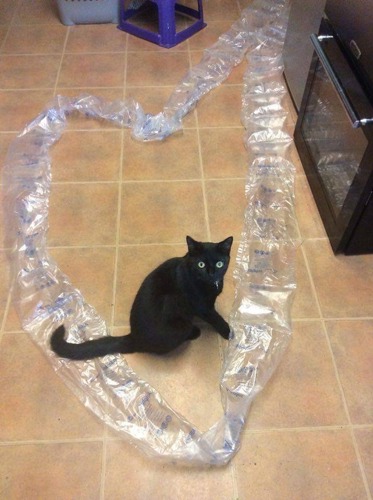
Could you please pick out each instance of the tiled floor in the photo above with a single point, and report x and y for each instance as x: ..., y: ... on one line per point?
x: 310, y: 433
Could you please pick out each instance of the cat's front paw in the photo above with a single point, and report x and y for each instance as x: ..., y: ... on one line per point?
x: 224, y: 330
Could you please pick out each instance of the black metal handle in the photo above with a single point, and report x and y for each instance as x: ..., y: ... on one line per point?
x: 356, y: 121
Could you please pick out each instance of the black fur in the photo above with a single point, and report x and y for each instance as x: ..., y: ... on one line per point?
x: 162, y: 313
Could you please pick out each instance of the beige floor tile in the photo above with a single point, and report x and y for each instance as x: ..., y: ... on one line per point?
x: 162, y: 212
x: 3, y: 32
x: 87, y: 156
x: 90, y: 270
x: 306, y: 465
x: 35, y: 402
x: 12, y: 322
x: 223, y: 153
x: 221, y: 107
x: 156, y: 68
x: 304, y: 390
x: 28, y: 72
x: 147, y: 478
x: 4, y: 283
x: 33, y: 39
x: 4, y: 241
x: 175, y: 158
x: 309, y: 221
x: 364, y: 438
x: 83, y: 214
x: 186, y: 381
x: 18, y: 107
x: 95, y: 38
x: 92, y: 70
x: 7, y: 10
x: 220, y: 10
x: 54, y: 470
x: 209, y: 35
x: 135, y: 263
x: 36, y: 12
x: 226, y: 203
x: 349, y: 292
x: 5, y: 142
x: 352, y: 345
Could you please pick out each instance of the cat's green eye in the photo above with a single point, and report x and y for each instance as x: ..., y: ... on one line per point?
x: 201, y: 264
x: 219, y: 264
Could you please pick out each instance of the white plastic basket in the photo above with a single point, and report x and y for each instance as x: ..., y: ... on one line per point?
x: 88, y: 11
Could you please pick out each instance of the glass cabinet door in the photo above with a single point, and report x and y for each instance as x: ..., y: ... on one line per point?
x: 336, y: 148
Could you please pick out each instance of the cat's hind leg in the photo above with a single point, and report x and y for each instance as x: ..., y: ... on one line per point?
x: 175, y: 325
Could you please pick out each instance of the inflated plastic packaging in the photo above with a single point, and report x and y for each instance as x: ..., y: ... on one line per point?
x: 264, y: 271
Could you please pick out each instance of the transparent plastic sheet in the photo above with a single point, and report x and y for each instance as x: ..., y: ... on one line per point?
x: 260, y: 317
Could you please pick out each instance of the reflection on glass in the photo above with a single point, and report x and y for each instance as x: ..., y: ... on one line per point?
x: 336, y: 147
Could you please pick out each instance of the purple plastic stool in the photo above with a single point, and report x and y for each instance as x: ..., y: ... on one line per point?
x: 166, y: 35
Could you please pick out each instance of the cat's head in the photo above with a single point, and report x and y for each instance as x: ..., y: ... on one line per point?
x: 209, y: 261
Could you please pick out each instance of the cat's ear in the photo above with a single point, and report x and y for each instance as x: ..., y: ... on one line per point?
x: 225, y: 245
x: 193, y: 245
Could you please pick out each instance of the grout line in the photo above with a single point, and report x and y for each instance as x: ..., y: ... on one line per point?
x: 285, y: 429
x: 5, y: 38
x: 112, y: 438
x: 61, y: 61
x: 149, y: 181
x: 233, y: 472
x: 6, y: 312
x: 31, y: 442
x: 203, y: 181
x: 11, y: 23
x: 103, y: 464
x: 31, y: 54
x: 39, y: 89
x: 357, y: 318
x: 152, y: 86
x: 113, y: 246
x: 361, y: 464
x: 326, y: 320
x: 119, y: 205
x: 316, y: 428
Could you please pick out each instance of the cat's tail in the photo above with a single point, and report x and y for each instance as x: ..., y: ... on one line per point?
x: 91, y: 348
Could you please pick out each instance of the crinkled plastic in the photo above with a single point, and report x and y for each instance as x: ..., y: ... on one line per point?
x: 264, y: 272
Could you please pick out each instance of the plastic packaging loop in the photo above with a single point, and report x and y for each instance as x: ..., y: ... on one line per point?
x: 264, y: 272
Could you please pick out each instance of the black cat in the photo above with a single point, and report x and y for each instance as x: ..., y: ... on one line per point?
x: 162, y: 313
